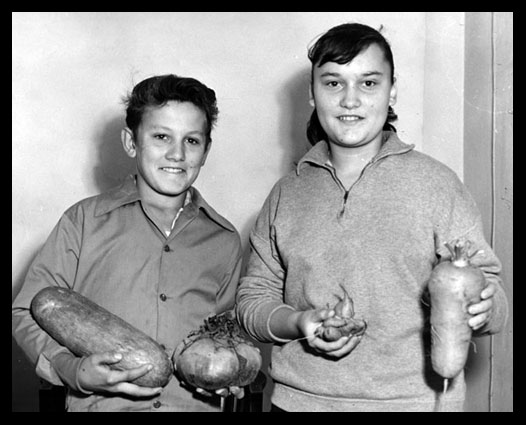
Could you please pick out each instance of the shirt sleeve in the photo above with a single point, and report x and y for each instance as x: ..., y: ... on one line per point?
x: 261, y: 289
x: 459, y: 219
x: 54, y: 265
x: 226, y: 295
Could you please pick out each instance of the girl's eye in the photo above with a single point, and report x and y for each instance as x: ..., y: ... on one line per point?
x: 193, y: 141
x: 332, y: 84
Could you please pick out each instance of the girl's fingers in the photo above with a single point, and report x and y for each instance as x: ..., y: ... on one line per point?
x: 488, y: 291
x: 480, y: 307
x: 349, y: 345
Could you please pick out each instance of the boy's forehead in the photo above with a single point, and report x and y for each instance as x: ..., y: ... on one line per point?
x: 175, y: 114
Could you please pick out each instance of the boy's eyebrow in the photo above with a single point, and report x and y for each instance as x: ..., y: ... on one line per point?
x: 164, y: 128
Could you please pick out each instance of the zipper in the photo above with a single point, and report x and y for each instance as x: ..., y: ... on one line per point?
x: 347, y: 192
x: 345, y: 197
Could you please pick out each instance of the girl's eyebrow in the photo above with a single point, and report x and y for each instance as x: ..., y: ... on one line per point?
x: 372, y: 73
x: 363, y: 74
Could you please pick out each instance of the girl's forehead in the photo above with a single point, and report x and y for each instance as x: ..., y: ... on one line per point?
x: 368, y: 61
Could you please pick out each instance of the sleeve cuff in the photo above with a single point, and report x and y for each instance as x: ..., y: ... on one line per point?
x: 66, y: 366
x: 274, y: 337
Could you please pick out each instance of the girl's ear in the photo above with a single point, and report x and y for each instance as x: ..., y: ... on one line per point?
x: 128, y: 142
x: 393, y: 94
x: 311, y: 97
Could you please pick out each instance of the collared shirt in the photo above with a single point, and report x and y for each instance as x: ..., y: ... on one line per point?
x: 107, y: 248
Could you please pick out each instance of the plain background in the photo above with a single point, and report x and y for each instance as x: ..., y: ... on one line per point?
x: 72, y: 69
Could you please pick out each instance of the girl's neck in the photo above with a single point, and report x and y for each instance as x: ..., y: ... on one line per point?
x: 352, y: 158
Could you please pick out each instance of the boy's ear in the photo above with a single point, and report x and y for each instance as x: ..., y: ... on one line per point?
x: 206, y: 153
x: 128, y: 142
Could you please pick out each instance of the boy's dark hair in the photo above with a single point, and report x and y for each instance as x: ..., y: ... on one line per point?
x: 341, y: 44
x: 158, y: 90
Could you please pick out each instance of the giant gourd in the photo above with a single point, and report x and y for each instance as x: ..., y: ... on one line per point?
x: 86, y: 328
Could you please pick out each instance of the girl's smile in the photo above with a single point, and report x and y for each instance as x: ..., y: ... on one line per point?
x: 352, y: 99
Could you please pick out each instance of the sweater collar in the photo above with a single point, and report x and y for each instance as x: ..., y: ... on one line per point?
x: 127, y: 193
x: 319, y: 153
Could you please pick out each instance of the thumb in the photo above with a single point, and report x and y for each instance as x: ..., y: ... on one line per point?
x: 110, y: 357
x: 323, y: 314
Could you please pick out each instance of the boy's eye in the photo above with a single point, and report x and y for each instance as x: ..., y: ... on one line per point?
x: 193, y: 141
x: 369, y: 84
x: 161, y: 136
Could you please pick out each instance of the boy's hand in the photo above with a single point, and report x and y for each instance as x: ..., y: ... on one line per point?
x: 237, y: 392
x: 483, y: 310
x: 95, y: 375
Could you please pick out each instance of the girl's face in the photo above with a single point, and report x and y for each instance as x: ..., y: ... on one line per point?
x: 352, y: 99
x: 170, y: 148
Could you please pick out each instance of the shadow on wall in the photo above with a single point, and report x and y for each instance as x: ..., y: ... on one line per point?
x: 113, y: 165
x: 293, y: 117
x: 25, y: 383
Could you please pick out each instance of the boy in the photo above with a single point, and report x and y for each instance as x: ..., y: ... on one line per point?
x: 151, y: 251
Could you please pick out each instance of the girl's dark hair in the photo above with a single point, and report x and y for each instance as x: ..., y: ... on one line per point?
x: 158, y: 90
x: 341, y: 44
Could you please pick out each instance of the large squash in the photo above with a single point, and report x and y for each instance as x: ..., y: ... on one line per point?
x: 86, y: 328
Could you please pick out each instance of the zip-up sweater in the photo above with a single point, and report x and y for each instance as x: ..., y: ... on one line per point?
x: 381, y: 240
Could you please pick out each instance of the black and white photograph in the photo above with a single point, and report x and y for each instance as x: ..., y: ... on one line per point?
x: 249, y: 212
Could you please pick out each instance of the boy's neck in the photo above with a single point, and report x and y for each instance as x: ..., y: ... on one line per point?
x: 167, y: 205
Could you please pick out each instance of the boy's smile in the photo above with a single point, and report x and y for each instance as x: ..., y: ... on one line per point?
x: 170, y: 148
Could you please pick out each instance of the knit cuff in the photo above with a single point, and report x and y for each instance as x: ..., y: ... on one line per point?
x: 67, y: 367
x: 274, y: 337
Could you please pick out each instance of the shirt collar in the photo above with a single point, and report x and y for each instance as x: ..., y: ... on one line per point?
x: 127, y: 193
x: 319, y: 153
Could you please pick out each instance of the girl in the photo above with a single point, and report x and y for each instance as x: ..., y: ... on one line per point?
x: 366, y: 211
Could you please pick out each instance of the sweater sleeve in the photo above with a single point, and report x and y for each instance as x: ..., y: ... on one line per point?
x: 459, y: 219
x: 260, y: 292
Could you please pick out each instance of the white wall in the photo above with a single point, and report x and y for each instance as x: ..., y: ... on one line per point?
x: 70, y: 71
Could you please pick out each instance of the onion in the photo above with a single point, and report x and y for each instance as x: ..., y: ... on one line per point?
x: 217, y: 355
x: 343, y: 322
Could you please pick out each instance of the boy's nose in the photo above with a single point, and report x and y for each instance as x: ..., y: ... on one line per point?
x: 176, y: 152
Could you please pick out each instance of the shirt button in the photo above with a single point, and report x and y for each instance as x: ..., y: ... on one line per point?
x: 163, y: 297
x: 166, y: 248
x: 156, y: 404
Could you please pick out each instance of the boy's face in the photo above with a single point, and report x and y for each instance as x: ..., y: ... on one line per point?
x: 352, y: 99
x: 170, y: 148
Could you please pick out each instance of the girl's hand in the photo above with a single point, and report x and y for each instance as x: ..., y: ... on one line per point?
x: 310, y: 321
x: 483, y: 310
x: 95, y: 375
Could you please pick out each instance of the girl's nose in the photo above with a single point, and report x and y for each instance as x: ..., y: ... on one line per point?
x: 350, y: 98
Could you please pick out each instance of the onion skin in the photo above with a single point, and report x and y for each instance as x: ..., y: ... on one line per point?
x: 205, y: 364
x: 218, y: 356
x: 453, y: 286
x: 343, y: 322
